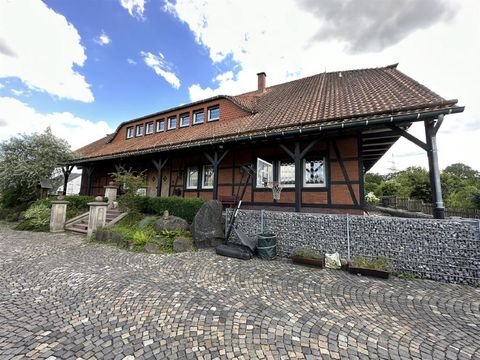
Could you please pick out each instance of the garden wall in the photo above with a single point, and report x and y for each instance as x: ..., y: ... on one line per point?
x: 445, y: 250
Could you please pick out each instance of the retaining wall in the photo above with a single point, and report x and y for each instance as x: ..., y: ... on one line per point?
x: 445, y: 250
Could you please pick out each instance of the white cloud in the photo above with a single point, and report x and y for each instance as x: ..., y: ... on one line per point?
x: 43, y: 48
x: 281, y: 38
x: 17, y: 117
x: 102, y: 39
x: 161, y: 67
x: 1, y: 86
x: 17, y: 92
x: 135, y: 8
x: 131, y: 61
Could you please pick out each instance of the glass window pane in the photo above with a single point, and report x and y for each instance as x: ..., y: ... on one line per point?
x: 185, y: 120
x: 214, y: 113
x: 264, y: 173
x: 198, y: 117
x: 208, y: 176
x: 192, y: 178
x: 314, y: 173
x: 160, y: 125
x: 287, y: 173
x: 149, y: 128
x: 172, y: 122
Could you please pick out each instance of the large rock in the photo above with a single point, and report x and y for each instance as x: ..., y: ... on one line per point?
x: 208, y: 225
x: 171, y: 223
x: 182, y: 244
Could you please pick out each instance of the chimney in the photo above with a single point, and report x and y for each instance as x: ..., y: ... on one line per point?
x: 262, y: 79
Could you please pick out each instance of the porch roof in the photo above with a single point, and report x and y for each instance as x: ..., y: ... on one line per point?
x: 336, y: 100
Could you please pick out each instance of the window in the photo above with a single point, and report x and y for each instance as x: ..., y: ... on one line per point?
x: 149, y: 128
x: 192, y: 178
x: 286, y: 173
x: 129, y: 132
x: 139, y: 130
x: 172, y: 122
x: 198, y: 117
x: 314, y: 172
x: 264, y: 173
x: 160, y: 125
x: 207, y: 179
x: 184, y: 120
x: 213, y: 113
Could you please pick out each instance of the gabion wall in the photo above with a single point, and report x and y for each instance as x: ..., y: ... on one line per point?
x: 445, y: 250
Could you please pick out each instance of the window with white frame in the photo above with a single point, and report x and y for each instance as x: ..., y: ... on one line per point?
x: 171, y: 122
x: 192, y: 178
x: 198, y: 117
x: 184, y: 120
x: 207, y: 177
x: 139, y: 130
x: 160, y: 125
x: 286, y: 173
x: 129, y: 132
x: 213, y: 113
x: 314, y: 172
x: 149, y: 128
x: 264, y: 173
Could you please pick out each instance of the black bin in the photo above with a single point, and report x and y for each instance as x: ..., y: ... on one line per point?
x: 267, y: 246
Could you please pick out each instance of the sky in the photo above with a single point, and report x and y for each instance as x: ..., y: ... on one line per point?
x: 83, y: 67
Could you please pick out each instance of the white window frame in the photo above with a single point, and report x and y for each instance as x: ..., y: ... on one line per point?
x: 195, y: 113
x: 210, y: 113
x: 147, y: 125
x: 261, y: 164
x: 130, y: 132
x: 139, y: 130
x: 188, y: 184
x: 161, y: 121
x: 169, y: 127
x: 322, y: 185
x: 182, y: 117
x: 203, y: 177
x: 285, y: 185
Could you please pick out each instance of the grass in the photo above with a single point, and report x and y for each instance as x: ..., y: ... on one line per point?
x: 380, y: 263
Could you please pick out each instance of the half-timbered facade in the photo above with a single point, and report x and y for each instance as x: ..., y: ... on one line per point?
x: 316, y: 136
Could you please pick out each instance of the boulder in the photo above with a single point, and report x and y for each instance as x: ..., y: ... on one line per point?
x: 208, y: 225
x: 117, y: 238
x: 102, y: 235
x: 171, y: 223
x: 151, y: 247
x: 182, y: 244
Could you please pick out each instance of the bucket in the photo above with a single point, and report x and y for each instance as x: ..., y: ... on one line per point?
x: 267, y: 246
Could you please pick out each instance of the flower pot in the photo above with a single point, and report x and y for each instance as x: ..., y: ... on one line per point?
x: 369, y: 272
x: 308, y: 261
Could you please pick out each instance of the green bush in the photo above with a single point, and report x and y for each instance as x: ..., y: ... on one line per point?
x: 380, y: 263
x: 186, y: 208
x: 37, y: 217
x: 307, y: 253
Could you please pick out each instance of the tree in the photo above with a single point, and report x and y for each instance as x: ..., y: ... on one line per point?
x: 27, y: 159
x: 414, y: 183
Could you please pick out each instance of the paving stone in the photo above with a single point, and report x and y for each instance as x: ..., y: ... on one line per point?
x: 65, y: 299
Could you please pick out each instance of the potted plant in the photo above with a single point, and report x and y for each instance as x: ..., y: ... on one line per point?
x: 378, y: 267
x: 307, y: 256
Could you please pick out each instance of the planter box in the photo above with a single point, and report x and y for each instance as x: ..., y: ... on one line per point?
x: 308, y: 261
x: 369, y: 272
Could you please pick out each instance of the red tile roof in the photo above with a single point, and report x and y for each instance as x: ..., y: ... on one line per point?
x: 322, y: 100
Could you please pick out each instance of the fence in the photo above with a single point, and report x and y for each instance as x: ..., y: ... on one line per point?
x: 444, y: 250
x: 419, y: 206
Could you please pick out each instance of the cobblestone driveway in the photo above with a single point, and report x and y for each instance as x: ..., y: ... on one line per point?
x: 62, y: 299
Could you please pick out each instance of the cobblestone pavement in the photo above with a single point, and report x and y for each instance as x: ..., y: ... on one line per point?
x: 63, y: 299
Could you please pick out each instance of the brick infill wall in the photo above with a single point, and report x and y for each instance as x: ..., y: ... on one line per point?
x: 444, y: 250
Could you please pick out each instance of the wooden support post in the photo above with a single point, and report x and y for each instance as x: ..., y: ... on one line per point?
x: 66, y: 170
x: 215, y: 161
x: 89, y: 171
x: 431, y: 129
x: 159, y: 165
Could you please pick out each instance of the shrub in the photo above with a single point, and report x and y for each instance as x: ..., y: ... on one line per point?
x: 37, y: 217
x: 307, y: 253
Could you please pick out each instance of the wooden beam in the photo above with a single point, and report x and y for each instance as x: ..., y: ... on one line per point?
x: 408, y: 136
x: 159, y: 165
x: 66, y: 170
x: 215, y: 161
x: 344, y: 172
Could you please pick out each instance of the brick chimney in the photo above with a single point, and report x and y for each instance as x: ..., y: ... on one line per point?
x: 262, y: 80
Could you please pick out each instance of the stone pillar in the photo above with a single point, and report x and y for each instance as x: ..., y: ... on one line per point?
x: 58, y: 215
x: 111, y: 193
x: 97, y: 215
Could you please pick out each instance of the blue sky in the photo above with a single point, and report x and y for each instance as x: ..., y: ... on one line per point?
x: 83, y: 67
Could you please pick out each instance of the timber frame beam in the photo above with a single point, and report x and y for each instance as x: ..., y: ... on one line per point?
x: 159, y: 165
x: 66, y: 170
x: 215, y: 161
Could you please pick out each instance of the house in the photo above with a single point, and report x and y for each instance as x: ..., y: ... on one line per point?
x: 316, y: 136
x: 73, y: 185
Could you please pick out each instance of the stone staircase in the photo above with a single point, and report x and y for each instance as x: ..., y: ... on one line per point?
x: 79, y: 224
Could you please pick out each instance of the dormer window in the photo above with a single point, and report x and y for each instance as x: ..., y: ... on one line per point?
x: 171, y: 122
x: 149, y: 128
x: 198, y: 117
x: 129, y: 132
x: 160, y: 125
x: 184, y: 120
x: 214, y: 113
x: 139, y: 130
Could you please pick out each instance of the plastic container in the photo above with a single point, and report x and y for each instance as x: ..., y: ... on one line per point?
x: 267, y: 246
